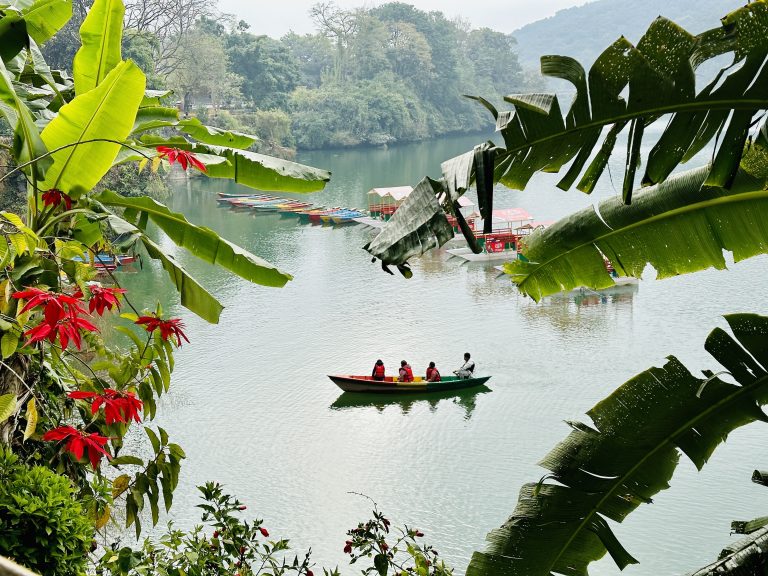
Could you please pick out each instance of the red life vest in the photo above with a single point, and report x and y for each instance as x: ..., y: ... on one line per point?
x: 408, y: 373
x: 433, y: 375
x: 378, y: 370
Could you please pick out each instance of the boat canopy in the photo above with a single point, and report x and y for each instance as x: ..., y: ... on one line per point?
x: 396, y: 195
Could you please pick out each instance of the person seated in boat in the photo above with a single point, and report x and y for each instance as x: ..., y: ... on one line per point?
x: 378, y: 370
x: 432, y: 374
x: 467, y: 369
x: 406, y: 373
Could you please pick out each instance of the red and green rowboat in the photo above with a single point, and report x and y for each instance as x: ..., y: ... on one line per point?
x: 391, y: 385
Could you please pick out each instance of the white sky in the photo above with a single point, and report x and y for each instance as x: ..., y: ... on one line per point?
x: 276, y: 17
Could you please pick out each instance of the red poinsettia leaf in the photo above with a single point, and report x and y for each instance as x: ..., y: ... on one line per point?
x: 59, y: 433
x: 76, y: 445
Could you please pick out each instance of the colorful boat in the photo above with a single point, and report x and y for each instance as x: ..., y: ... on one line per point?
x: 347, y: 217
x: 390, y: 385
x: 307, y: 215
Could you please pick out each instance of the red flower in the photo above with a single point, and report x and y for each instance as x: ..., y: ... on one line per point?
x: 348, y: 547
x: 118, y: 406
x: 168, y: 328
x: 310, y: 573
x: 103, y: 298
x: 67, y: 328
x: 183, y: 157
x: 384, y: 546
x: 264, y: 532
x: 53, y: 197
x: 418, y: 533
x: 56, y: 306
x: 77, y: 442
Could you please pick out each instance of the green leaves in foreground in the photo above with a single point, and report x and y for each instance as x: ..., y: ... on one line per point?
x: 198, y: 240
x: 605, y: 471
x: 678, y: 226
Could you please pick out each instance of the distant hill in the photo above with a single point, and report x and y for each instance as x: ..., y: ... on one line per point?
x: 583, y: 32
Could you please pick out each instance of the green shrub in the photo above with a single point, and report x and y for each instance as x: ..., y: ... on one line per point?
x: 42, y: 523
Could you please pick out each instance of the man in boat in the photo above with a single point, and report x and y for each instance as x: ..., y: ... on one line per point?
x: 378, y: 370
x: 406, y: 373
x: 432, y: 374
x: 467, y: 369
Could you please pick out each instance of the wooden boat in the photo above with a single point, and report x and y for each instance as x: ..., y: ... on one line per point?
x: 389, y: 385
x: 347, y: 217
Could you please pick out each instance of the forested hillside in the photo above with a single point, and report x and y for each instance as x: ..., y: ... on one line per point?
x: 584, y: 31
x: 368, y: 76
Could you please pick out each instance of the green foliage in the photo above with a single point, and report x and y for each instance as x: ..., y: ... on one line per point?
x: 270, y: 72
x: 223, y: 544
x: 629, y: 454
x: 226, y: 544
x: 659, y: 75
x: 370, y: 112
x: 42, y: 523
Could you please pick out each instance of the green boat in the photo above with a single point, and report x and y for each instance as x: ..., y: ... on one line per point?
x: 391, y: 385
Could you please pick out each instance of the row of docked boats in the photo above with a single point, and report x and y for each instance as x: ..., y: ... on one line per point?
x: 104, y: 262
x: 306, y: 211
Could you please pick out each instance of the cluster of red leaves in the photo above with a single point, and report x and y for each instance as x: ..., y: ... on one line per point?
x: 54, y: 197
x: 78, y: 442
x: 118, y: 406
x: 62, y: 313
x: 102, y: 299
x: 168, y: 328
x: 183, y: 157
x: 61, y: 317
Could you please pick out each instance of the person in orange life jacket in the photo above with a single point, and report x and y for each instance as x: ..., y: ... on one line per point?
x: 406, y: 373
x: 432, y: 374
x: 378, y: 370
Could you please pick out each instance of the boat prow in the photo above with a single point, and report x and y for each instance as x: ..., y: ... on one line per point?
x: 352, y: 383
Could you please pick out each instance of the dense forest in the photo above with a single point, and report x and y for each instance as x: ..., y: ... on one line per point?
x: 368, y: 76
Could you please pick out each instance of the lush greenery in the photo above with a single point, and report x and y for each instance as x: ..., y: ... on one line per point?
x: 605, y: 470
x: 366, y: 77
x: 67, y: 398
x: 42, y: 523
x: 225, y: 543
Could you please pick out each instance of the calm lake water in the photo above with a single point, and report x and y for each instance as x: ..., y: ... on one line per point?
x: 253, y: 408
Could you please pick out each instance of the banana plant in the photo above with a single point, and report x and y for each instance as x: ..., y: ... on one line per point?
x: 605, y: 470
x: 658, y: 77
x: 70, y: 133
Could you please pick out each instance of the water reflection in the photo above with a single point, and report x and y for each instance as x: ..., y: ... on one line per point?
x: 464, y: 398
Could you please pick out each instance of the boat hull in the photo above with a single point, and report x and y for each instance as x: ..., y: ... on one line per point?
x: 389, y: 386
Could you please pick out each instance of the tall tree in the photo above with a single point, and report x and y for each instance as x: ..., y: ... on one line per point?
x: 338, y: 26
x: 170, y: 21
x: 268, y: 68
x: 314, y: 53
x: 201, y: 69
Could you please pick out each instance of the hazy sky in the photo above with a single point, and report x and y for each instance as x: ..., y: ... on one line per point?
x: 276, y: 17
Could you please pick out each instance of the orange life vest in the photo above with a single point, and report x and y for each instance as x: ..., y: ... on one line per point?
x: 408, y: 373
x: 378, y: 370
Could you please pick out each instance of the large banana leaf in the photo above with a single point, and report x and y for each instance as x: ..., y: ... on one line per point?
x: 193, y: 295
x: 605, y: 471
x: 200, y: 241
x: 82, y: 128
x: 102, y: 36
x: 678, y: 226
x: 44, y: 17
x: 658, y: 78
x: 264, y: 172
x: 27, y: 142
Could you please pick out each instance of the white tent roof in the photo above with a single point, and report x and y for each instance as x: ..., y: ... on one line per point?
x: 400, y: 193
x: 397, y: 193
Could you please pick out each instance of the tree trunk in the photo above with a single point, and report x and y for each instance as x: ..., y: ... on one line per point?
x: 16, y: 367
